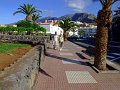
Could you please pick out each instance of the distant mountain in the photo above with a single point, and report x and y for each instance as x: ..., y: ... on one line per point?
x: 12, y: 23
x: 82, y: 17
x: 47, y: 18
x: 67, y: 16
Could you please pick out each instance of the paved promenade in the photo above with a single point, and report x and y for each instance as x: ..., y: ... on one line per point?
x: 67, y: 70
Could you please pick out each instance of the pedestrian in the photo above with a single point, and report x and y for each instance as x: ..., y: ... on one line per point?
x: 51, y: 41
x: 60, y: 41
x: 55, y: 41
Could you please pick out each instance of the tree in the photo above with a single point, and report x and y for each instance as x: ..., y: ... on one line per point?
x: 104, y: 20
x: 35, y: 17
x: 74, y: 28
x: 28, y: 10
x: 24, y: 23
x: 81, y: 32
x: 66, y: 24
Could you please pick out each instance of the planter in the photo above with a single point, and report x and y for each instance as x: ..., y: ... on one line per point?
x: 22, y: 74
x: 110, y: 69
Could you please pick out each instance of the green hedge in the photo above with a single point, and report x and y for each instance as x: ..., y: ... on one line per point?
x: 24, y: 24
x: 22, y: 30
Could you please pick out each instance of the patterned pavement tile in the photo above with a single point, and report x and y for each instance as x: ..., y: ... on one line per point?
x: 79, y: 77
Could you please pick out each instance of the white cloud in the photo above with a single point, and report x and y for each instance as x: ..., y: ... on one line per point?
x: 78, y: 5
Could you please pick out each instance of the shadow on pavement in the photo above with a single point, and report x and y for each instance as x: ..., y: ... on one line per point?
x: 68, y: 60
x: 44, y: 72
x: 81, y: 56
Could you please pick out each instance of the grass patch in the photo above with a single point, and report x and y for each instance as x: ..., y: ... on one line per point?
x: 9, y: 47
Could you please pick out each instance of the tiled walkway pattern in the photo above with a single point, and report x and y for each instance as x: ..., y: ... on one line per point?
x: 79, y: 77
x: 65, y: 70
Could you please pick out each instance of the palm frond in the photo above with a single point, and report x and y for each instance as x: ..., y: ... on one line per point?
x: 18, y: 12
x: 66, y: 24
x: 35, y: 17
x: 114, y: 1
x: 104, y: 2
x: 27, y: 9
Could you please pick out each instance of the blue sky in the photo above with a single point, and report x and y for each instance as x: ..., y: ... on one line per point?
x: 55, y: 8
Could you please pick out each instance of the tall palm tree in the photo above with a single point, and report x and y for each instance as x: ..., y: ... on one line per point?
x: 35, y: 17
x: 66, y: 24
x: 104, y: 20
x: 28, y: 10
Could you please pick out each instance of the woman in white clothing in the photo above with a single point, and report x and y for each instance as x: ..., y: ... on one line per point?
x: 61, y: 41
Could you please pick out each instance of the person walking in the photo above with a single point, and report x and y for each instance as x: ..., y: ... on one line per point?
x: 55, y: 41
x: 60, y: 41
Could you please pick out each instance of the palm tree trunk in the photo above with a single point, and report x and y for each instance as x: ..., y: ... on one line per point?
x: 65, y: 35
x: 104, y: 20
x: 34, y: 22
x: 29, y: 18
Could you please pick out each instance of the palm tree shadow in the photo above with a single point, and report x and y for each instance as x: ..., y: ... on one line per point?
x: 44, y: 72
x: 81, y: 56
x: 68, y: 60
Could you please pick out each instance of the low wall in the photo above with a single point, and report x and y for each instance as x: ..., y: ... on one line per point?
x: 34, y: 40
x: 22, y: 74
x: 27, y: 38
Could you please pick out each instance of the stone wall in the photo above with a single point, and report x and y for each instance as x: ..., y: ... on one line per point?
x: 27, y: 38
x: 22, y: 74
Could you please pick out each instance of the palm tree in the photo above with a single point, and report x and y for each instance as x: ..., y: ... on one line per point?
x: 35, y: 17
x: 74, y: 28
x: 117, y: 11
x: 104, y: 20
x: 28, y: 10
x: 81, y: 32
x: 66, y: 24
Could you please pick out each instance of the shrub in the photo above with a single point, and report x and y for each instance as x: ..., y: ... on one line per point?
x: 21, y: 31
x: 2, y: 29
x: 38, y: 29
x: 35, y: 26
x: 42, y: 29
x: 24, y: 23
x: 29, y: 30
x: 8, y: 29
x: 23, y: 28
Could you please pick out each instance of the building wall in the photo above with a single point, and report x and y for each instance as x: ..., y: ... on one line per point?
x: 46, y: 26
x: 89, y: 31
x: 52, y: 22
x: 52, y: 29
x: 115, y: 34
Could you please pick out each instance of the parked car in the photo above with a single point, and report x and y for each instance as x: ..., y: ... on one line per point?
x: 73, y: 37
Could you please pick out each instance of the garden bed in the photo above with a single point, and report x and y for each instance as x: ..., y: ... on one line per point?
x: 109, y: 68
x: 11, y: 52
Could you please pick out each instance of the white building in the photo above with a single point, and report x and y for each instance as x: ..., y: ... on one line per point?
x: 89, y: 31
x: 2, y: 25
x: 52, y: 29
